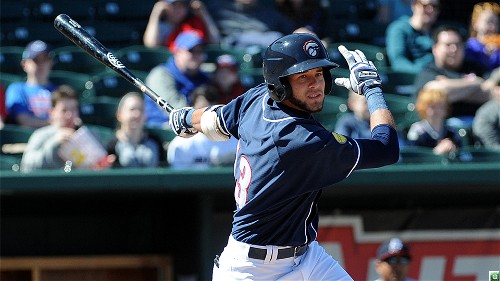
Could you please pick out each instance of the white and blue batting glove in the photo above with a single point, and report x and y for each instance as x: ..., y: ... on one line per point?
x: 364, y: 75
x: 180, y: 124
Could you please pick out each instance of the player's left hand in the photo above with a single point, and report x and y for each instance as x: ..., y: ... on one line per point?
x: 178, y: 122
x: 363, y: 75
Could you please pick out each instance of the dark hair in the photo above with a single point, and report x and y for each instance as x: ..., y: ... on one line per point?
x: 447, y: 28
x: 210, y: 92
x: 63, y: 92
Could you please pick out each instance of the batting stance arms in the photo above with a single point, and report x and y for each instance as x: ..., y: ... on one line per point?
x: 285, y: 158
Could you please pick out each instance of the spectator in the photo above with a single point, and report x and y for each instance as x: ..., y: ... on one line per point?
x: 199, y: 152
x: 355, y: 124
x: 393, y: 261
x: 431, y: 131
x: 43, y: 148
x: 486, y: 125
x: 483, y: 44
x: 390, y: 10
x: 132, y: 145
x: 177, y: 78
x: 309, y: 15
x: 28, y: 103
x: 408, y: 40
x: 226, y: 79
x: 449, y: 72
x: 169, y: 18
x: 246, y: 23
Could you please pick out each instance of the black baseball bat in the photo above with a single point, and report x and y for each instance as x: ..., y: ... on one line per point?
x: 78, y: 35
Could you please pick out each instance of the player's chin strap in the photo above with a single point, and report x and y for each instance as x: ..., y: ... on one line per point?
x: 210, y: 124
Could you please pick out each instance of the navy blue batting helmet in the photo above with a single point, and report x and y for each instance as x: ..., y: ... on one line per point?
x: 291, y: 54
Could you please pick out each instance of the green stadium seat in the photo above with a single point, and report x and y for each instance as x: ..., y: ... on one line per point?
x: 397, y: 82
x: 10, y: 59
x: 78, y: 81
x: 110, y: 84
x: 142, y: 58
x: 6, y: 79
x: 478, y: 154
x: 103, y: 134
x: 10, y: 163
x: 73, y: 58
x: 420, y: 155
x: 13, y: 140
x: 101, y: 112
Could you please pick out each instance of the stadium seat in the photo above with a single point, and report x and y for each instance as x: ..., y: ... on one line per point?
x: 114, y: 35
x: 397, y: 82
x: 103, y: 133
x: 403, y: 110
x: 48, y: 10
x: 101, y: 112
x: 360, y: 31
x: 10, y: 59
x: 112, y: 85
x: 73, y: 58
x: 248, y: 60
x: 140, y: 57
x: 20, y: 34
x: 420, y: 155
x: 6, y: 79
x: 119, y: 10
x: 166, y: 136
x: 10, y: 163
x: 13, y: 140
x: 13, y: 11
x: 333, y: 108
x: 478, y: 154
x: 78, y: 81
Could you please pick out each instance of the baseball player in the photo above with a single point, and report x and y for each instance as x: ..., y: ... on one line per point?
x: 285, y: 158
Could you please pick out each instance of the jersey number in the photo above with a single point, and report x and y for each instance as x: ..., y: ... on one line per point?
x: 243, y: 182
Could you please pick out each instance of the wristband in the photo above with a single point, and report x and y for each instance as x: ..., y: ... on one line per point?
x: 189, y: 118
x: 375, y: 99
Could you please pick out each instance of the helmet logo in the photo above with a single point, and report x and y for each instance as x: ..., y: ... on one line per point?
x: 311, y: 48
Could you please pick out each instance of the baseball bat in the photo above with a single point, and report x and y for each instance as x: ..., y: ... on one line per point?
x: 78, y: 35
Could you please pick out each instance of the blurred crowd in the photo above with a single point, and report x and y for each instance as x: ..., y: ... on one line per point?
x: 208, y: 52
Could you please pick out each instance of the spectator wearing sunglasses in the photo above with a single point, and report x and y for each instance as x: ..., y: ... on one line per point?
x: 393, y: 261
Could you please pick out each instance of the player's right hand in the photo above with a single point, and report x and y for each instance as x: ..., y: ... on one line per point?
x: 178, y: 122
x: 363, y: 75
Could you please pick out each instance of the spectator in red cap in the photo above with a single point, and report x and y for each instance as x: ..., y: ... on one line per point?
x: 226, y: 78
x: 393, y: 260
x: 169, y: 18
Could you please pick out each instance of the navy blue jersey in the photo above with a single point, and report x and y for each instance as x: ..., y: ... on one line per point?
x: 284, y: 159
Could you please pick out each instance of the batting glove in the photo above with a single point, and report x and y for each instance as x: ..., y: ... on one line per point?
x: 179, y: 124
x: 363, y: 75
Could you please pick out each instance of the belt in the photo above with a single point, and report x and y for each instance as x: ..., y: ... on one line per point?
x: 260, y: 254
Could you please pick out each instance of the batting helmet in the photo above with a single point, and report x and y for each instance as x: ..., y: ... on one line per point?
x: 291, y: 54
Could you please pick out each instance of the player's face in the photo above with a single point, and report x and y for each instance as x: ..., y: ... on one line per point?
x: 308, y: 90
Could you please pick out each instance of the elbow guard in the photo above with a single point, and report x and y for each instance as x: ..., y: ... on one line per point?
x: 210, y: 125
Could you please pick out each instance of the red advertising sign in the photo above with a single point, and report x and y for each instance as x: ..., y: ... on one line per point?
x: 460, y: 255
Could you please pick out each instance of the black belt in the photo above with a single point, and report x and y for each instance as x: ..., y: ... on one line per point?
x: 260, y: 254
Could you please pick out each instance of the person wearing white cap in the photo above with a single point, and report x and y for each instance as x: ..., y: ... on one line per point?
x: 28, y: 103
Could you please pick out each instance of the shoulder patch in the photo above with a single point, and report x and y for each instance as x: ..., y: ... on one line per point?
x: 340, y: 138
